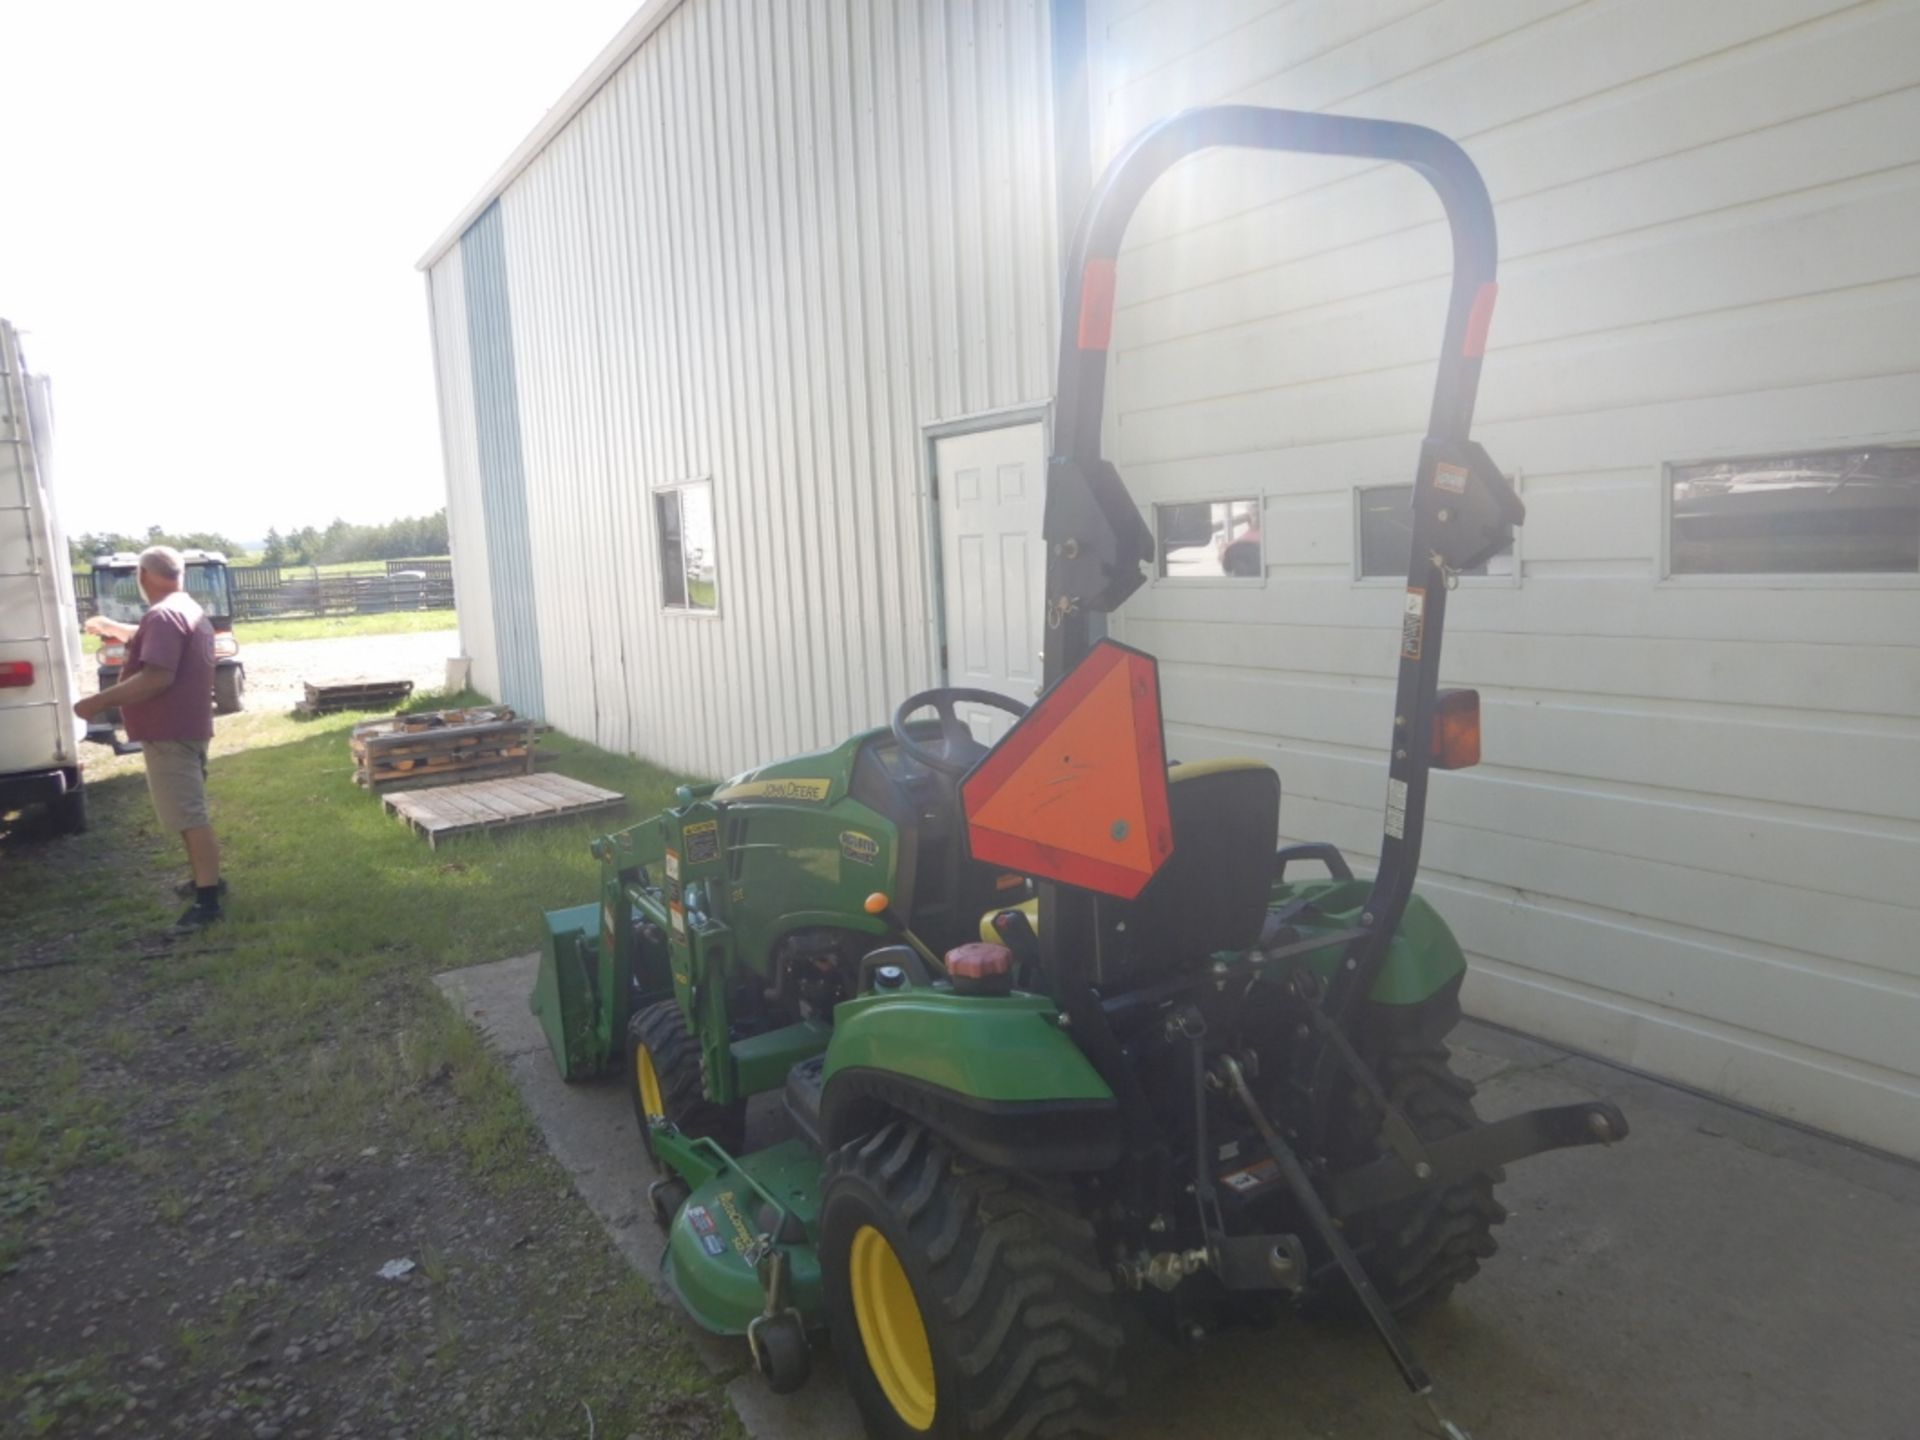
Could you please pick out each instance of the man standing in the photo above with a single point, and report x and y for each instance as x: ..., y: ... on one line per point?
x: 165, y: 697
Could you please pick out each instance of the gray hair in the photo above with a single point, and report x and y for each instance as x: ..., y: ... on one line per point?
x: 163, y: 561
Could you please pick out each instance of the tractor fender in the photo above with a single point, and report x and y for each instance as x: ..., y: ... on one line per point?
x: 993, y: 1075
x: 1423, y: 958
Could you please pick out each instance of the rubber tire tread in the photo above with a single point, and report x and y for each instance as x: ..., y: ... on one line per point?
x: 1019, y: 1312
x: 1418, y: 1251
x: 229, y: 690
x: 662, y: 1028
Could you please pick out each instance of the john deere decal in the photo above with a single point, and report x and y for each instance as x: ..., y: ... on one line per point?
x: 810, y: 792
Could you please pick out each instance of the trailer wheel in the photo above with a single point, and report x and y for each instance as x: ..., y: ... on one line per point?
x: 229, y: 684
x: 962, y: 1301
x: 1417, y: 1251
x: 68, y: 813
x: 663, y: 1081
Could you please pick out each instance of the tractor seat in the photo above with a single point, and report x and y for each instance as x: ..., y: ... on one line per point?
x: 1212, y: 893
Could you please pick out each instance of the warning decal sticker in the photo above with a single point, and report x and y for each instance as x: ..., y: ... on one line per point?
x: 1413, y: 623
x: 1450, y: 478
x: 702, y: 839
x: 1397, y: 809
x: 1264, y: 1172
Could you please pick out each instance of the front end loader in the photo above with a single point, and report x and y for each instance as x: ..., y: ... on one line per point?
x: 1050, y: 1029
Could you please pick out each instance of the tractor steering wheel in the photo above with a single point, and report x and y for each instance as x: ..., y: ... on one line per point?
x: 954, y: 735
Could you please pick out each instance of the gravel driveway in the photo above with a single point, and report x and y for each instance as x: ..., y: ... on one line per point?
x: 277, y: 670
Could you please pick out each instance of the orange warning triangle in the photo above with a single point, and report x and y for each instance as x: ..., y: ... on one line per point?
x: 1077, y: 791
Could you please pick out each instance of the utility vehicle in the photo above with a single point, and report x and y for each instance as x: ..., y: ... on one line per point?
x: 1051, y: 1027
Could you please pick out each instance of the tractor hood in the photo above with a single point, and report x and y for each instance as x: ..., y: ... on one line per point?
x: 818, y: 778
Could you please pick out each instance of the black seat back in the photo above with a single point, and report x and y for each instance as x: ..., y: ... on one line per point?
x: 1211, y: 895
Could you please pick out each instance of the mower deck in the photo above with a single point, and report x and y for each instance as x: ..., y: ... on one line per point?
x: 716, y: 1252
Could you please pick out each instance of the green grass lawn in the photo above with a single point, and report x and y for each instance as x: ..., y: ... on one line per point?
x: 330, y: 1045
x: 326, y: 627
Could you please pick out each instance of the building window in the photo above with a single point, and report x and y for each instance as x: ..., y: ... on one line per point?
x: 1383, y: 519
x: 1209, y: 539
x: 683, y: 520
x: 1830, y: 512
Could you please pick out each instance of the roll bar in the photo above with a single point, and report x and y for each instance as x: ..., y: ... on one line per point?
x: 1463, y: 509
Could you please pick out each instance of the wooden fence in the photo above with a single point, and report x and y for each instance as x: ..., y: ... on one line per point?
x: 264, y: 592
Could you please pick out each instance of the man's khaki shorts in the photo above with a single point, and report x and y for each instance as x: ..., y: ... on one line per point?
x: 177, y: 780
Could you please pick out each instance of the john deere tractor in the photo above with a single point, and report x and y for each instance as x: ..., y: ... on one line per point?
x: 1050, y: 1029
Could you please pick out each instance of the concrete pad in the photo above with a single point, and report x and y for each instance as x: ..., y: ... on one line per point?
x: 1718, y: 1275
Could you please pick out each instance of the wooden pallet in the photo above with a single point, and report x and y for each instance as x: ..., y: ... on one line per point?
x: 362, y: 694
x: 498, y: 804
x: 437, y: 747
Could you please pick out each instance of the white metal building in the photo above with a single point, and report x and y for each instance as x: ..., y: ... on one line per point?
x: 744, y: 361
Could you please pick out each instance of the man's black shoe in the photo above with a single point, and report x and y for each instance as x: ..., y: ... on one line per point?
x: 187, y: 890
x: 196, y: 918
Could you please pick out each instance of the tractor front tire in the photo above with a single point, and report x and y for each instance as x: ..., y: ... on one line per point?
x: 963, y: 1301
x: 1417, y: 1251
x: 229, y: 684
x: 663, y: 1081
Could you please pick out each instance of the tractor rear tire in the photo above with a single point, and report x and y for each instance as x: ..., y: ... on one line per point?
x: 660, y: 1046
x: 963, y: 1302
x: 1417, y: 1251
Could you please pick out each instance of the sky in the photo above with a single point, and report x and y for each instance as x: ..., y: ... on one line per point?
x: 208, y: 227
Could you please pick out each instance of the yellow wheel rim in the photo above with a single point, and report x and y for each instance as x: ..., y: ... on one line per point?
x: 891, y: 1329
x: 650, y: 1100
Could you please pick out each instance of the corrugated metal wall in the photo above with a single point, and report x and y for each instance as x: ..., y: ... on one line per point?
x: 512, y: 583
x: 781, y: 241
x: 466, y: 516
x: 1693, y: 843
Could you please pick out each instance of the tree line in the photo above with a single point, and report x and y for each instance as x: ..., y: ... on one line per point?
x: 409, y: 536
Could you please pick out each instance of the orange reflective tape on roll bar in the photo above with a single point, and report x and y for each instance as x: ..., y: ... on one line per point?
x: 1479, y: 321
x: 1096, y: 305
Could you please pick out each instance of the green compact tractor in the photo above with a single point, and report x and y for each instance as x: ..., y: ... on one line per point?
x: 1050, y: 1029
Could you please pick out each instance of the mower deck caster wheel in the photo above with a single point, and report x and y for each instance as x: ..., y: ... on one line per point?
x: 664, y: 1199
x: 780, y: 1352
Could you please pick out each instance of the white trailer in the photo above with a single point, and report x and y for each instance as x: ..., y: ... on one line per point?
x: 39, y: 631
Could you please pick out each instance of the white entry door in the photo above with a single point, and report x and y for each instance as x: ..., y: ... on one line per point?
x: 993, y: 565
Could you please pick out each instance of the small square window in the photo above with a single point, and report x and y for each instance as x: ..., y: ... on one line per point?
x: 1209, y: 539
x: 683, y: 520
x: 1829, y: 512
x: 1385, y: 526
